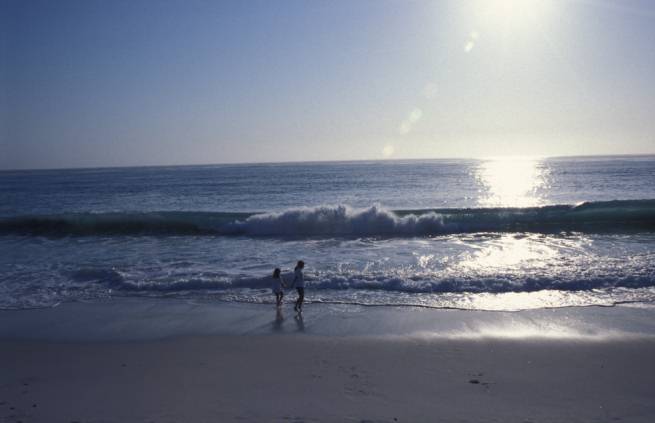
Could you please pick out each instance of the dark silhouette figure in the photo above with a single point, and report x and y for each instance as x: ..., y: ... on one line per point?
x: 278, y: 287
x: 299, y: 283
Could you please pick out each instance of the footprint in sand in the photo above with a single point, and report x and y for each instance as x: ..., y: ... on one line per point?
x: 357, y: 382
x: 477, y: 380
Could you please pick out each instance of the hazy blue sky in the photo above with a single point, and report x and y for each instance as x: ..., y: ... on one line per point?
x: 102, y: 83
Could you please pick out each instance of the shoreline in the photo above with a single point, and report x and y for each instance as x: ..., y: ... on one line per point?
x: 149, y: 319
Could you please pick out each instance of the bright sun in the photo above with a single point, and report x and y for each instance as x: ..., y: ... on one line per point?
x: 512, y: 13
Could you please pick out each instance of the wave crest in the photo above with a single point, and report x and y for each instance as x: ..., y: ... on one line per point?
x: 343, y: 220
x: 338, y: 220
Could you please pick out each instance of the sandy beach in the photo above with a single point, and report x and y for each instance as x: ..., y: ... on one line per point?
x: 303, y: 372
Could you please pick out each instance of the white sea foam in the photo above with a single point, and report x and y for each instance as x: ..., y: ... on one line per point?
x: 339, y: 220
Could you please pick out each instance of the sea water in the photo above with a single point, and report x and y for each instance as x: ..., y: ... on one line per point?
x: 495, y: 234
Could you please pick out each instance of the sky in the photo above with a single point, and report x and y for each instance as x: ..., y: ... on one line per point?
x: 125, y: 83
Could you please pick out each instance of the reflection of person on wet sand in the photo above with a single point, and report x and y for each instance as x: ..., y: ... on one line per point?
x: 299, y: 322
x: 278, y: 285
x: 279, y: 319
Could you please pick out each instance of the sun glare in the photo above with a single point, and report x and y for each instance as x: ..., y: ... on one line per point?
x: 511, y: 13
x: 511, y: 182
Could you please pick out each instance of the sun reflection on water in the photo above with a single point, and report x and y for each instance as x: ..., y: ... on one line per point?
x: 507, y: 260
x: 509, y: 252
x: 512, y: 182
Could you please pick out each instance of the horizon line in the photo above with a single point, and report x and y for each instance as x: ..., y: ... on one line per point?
x: 245, y: 163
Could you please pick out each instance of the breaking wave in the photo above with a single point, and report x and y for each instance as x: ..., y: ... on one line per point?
x: 342, y: 220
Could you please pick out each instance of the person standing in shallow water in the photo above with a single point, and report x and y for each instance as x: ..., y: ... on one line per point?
x: 299, y: 283
x: 278, y: 287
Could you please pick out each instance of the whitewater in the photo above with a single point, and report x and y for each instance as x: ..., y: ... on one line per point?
x: 472, y: 234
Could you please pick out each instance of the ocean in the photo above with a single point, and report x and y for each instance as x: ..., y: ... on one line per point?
x: 495, y: 234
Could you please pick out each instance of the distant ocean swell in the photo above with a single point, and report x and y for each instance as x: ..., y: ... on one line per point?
x: 342, y: 220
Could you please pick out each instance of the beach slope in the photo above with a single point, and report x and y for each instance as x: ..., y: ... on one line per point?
x: 300, y: 377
